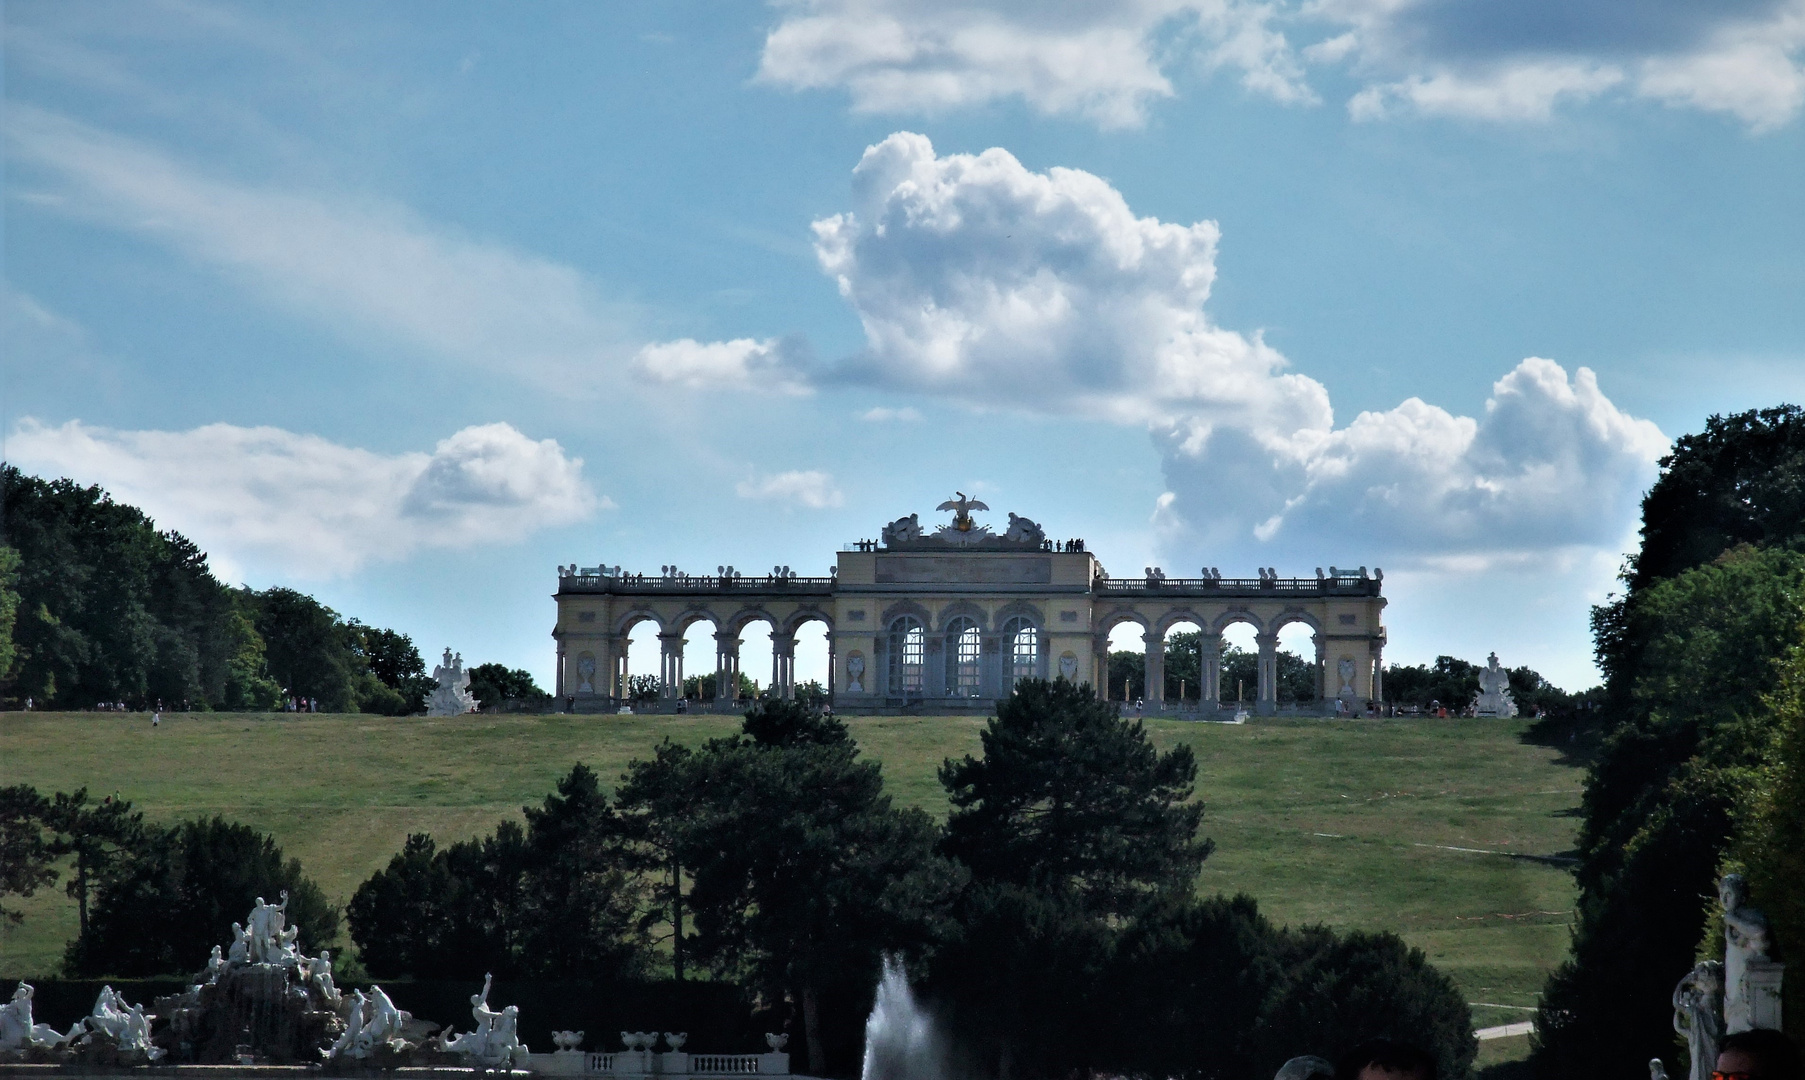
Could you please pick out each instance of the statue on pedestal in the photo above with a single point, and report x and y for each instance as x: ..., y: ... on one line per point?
x: 1751, y: 977
x: 1494, y: 697
x: 452, y: 698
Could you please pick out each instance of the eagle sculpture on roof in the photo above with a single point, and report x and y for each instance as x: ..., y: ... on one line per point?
x: 962, y: 508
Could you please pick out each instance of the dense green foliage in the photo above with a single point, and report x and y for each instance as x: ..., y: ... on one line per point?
x: 176, y: 894
x: 9, y: 606
x: 1770, y: 841
x: 1052, y: 919
x: 555, y: 900
x: 1740, y: 481
x: 27, y: 857
x: 1694, y: 708
x: 99, y: 607
x: 493, y: 684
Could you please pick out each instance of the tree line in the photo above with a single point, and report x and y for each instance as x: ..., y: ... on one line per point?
x: 98, y: 606
x: 1699, y: 766
x: 1052, y: 918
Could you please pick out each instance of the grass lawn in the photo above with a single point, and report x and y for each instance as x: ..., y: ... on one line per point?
x: 1417, y: 826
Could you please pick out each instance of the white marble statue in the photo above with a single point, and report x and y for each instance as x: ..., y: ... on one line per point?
x: 1494, y: 697
x: 346, y: 1045
x: 1023, y: 531
x: 125, y: 1024
x: 241, y: 945
x: 264, y: 926
x: 389, y: 1020
x: 904, y: 530
x: 18, y: 1029
x: 318, y: 971
x: 1751, y: 987
x: 452, y: 698
x: 495, y: 1040
x: 1695, y: 1015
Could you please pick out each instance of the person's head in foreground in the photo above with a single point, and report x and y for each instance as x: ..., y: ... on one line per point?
x: 1384, y: 1059
x: 1757, y: 1055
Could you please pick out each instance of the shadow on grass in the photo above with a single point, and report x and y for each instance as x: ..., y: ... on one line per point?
x: 1506, y: 1070
x: 1575, y: 733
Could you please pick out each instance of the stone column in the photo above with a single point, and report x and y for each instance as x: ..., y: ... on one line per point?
x: 561, y: 659
x: 1322, y: 667
x: 670, y: 665
x: 783, y: 665
x: 1155, y: 668
x: 1100, y: 667
x: 616, y: 676
x: 1378, y: 676
x: 1209, y: 647
x: 726, y: 665
x: 1267, y: 701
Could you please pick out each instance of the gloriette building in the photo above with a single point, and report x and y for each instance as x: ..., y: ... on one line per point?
x: 947, y: 620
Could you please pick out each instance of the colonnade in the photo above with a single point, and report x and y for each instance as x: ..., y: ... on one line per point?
x: 1266, y: 644
x: 726, y: 669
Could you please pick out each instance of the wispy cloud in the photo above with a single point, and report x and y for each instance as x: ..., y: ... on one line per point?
x: 368, y: 265
x: 294, y: 504
x: 810, y: 488
x: 882, y: 415
x: 1111, y: 62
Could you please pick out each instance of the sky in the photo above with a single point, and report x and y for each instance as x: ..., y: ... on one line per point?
x: 407, y: 304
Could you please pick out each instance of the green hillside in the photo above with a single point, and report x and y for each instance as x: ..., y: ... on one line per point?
x: 1435, y: 829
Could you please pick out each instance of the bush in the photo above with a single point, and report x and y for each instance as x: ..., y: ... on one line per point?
x: 164, y: 911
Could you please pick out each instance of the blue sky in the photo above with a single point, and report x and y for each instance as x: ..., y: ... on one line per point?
x: 407, y: 304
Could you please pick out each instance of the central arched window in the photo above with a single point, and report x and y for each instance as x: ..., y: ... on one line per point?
x: 1022, y: 640
x: 963, y: 644
x: 907, y: 646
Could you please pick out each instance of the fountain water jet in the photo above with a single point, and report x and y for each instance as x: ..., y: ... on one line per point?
x: 900, y: 1043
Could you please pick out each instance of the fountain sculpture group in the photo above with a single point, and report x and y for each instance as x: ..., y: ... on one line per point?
x: 261, y: 1000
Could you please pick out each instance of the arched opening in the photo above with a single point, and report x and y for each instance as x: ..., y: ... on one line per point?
x: 699, y: 647
x: 756, y: 673
x: 1127, y: 662
x: 964, y: 658
x: 1240, y: 679
x: 644, y: 662
x: 811, y: 671
x: 1021, y: 649
x: 1183, y: 663
x: 907, y: 655
x: 1298, y: 672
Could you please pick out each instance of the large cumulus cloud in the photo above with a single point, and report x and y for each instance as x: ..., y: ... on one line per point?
x: 981, y: 281
x: 266, y: 497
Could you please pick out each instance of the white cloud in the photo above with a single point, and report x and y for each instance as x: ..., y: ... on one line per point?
x: 980, y: 281
x: 1552, y: 464
x: 1110, y: 62
x: 770, y: 366
x: 373, y: 266
x: 1528, y: 91
x: 1103, y: 61
x: 882, y: 414
x: 300, y: 505
x: 807, y: 488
